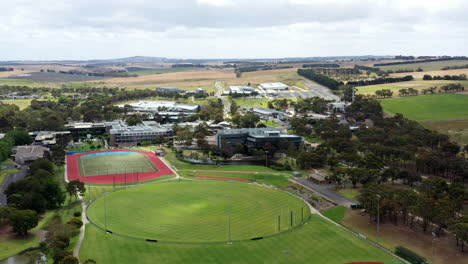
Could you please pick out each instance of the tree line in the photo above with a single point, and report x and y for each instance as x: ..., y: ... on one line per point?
x: 421, y: 61
x: 320, y: 78
x: 380, y: 81
x: 428, y: 77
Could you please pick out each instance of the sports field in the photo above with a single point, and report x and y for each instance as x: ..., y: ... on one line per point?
x: 115, y: 166
x: 429, y: 107
x: 198, y: 211
x: 114, y: 163
x: 317, y: 241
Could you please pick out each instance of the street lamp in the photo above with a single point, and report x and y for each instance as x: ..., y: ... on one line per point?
x: 378, y: 217
x: 434, y: 237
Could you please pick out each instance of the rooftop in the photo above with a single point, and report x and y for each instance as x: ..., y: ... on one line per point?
x: 156, y: 106
x: 120, y: 127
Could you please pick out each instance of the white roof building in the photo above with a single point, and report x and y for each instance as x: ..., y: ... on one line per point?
x: 273, y: 86
x: 242, y: 89
x: 168, y: 106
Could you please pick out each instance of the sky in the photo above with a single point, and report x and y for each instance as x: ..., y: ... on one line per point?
x: 104, y: 29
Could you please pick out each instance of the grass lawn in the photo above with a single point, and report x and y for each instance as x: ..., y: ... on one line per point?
x: 21, y: 103
x: 429, y: 107
x: 11, y: 245
x: 4, y: 173
x: 277, y: 180
x: 251, y: 102
x: 318, y: 241
x: 114, y: 163
x: 270, y: 123
x: 350, y: 193
x: 194, y: 211
x: 416, y: 84
x: 181, y: 165
x: 336, y: 213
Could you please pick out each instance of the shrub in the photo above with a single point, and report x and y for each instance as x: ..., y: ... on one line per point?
x: 77, y: 214
x: 409, y: 255
x: 76, y: 222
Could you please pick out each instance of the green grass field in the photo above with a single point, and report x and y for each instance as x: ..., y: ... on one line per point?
x: 318, y: 241
x: 194, y: 211
x: 274, y: 179
x: 115, y: 164
x: 426, y: 66
x: 429, y: 107
x: 417, y: 84
x: 336, y: 213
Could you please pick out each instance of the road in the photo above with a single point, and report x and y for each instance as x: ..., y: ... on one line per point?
x: 9, y: 179
x: 315, y: 89
x: 325, y: 191
x: 219, y: 94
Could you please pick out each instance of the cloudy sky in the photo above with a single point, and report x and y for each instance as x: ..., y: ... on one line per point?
x: 99, y: 29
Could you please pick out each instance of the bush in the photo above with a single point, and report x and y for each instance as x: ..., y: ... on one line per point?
x: 77, y: 214
x: 409, y: 255
x: 76, y: 222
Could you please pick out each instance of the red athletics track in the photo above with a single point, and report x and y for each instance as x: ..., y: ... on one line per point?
x: 73, y: 170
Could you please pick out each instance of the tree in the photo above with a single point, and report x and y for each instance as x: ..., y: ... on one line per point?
x: 234, y: 108
x: 20, y: 137
x: 134, y: 120
x: 24, y: 220
x: 69, y: 260
x: 75, y: 186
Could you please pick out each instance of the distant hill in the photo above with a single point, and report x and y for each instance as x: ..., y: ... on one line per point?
x: 147, y: 59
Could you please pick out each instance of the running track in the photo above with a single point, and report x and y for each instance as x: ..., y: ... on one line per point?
x: 73, y: 170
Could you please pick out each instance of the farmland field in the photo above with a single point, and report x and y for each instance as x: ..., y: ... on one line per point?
x: 420, y: 75
x: 418, y: 85
x: 429, y: 107
x: 426, y: 66
x: 456, y: 129
x: 150, y: 71
x: 54, y: 77
x: 445, y: 113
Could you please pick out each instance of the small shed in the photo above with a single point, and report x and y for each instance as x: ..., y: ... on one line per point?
x: 160, y: 152
x: 318, y: 178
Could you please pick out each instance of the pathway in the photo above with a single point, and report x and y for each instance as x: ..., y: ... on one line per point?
x: 14, y: 177
x: 325, y: 191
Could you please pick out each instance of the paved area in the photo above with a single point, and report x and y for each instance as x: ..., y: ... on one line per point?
x: 219, y: 93
x: 315, y: 89
x: 325, y: 190
x: 9, y: 179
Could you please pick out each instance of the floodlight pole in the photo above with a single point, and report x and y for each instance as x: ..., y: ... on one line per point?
x: 105, y: 212
x: 229, y: 217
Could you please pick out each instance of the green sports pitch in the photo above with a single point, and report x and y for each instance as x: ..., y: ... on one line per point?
x: 108, y: 163
x: 198, y: 211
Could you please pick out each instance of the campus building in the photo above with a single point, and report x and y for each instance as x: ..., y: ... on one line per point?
x: 83, y: 129
x: 266, y: 113
x: 242, y: 90
x: 123, y: 135
x: 164, y: 106
x: 254, y: 137
x: 273, y: 86
x: 25, y: 154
